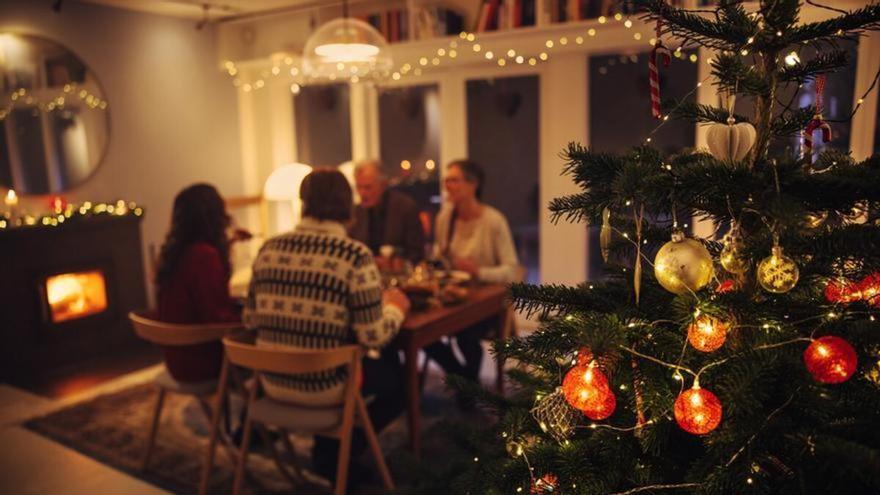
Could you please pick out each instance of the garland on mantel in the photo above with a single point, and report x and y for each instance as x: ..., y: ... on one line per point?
x: 69, y: 214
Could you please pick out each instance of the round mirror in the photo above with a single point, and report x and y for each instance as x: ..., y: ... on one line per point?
x: 53, y: 116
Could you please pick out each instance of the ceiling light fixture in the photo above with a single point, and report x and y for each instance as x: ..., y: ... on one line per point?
x: 344, y: 47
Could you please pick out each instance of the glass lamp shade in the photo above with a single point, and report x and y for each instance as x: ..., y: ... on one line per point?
x: 346, y: 48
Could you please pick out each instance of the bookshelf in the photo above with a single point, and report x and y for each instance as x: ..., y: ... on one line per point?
x: 411, y: 20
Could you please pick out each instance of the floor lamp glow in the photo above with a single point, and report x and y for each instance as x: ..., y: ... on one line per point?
x: 283, y: 185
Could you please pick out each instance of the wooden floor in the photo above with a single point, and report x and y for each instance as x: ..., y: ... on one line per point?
x: 63, y: 383
x: 32, y: 464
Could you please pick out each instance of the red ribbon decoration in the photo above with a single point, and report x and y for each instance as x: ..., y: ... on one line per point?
x: 818, y: 123
x: 654, y: 73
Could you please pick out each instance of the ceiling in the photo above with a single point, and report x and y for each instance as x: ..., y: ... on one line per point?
x: 219, y: 9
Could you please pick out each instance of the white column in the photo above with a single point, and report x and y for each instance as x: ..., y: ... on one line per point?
x: 865, y: 120
x: 453, y: 116
x: 364, y: 115
x: 282, y: 124
x: 563, y: 118
x: 707, y: 94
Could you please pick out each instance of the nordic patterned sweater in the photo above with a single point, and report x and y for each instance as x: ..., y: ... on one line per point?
x: 315, y: 288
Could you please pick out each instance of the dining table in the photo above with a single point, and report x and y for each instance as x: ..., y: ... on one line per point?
x: 424, y: 327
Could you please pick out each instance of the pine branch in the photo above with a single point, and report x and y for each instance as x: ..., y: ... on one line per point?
x: 855, y: 22
x: 729, y: 32
x: 823, y: 63
x: 707, y: 114
x: 733, y: 74
x: 793, y: 122
x: 560, y: 298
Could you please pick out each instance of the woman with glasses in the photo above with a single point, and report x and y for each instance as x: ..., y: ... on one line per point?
x: 473, y: 237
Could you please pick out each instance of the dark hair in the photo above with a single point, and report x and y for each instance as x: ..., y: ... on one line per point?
x: 472, y: 172
x: 326, y: 195
x: 199, y: 216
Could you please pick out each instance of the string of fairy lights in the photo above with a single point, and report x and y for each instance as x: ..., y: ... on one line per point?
x: 49, y: 101
x: 64, y: 214
x: 466, y: 44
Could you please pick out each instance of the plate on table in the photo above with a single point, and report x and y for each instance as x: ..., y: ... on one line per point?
x: 459, y: 276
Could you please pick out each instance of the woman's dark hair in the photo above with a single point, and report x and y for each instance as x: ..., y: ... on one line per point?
x: 472, y: 172
x: 326, y: 195
x: 199, y: 216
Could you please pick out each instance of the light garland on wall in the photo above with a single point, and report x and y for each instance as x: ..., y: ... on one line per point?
x: 466, y: 44
x: 68, y: 214
x: 56, y: 101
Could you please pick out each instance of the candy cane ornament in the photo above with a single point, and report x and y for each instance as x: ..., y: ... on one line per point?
x: 654, y: 73
x: 818, y: 123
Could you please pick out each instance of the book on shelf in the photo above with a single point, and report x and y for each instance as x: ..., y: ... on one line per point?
x: 430, y: 22
x: 499, y: 15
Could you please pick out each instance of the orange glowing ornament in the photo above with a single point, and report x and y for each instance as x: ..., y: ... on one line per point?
x: 841, y: 291
x: 869, y: 289
x: 707, y: 333
x: 602, y: 406
x: 831, y: 359
x: 586, y: 389
x: 697, y: 410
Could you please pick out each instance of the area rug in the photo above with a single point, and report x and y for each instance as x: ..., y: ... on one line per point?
x: 113, y: 429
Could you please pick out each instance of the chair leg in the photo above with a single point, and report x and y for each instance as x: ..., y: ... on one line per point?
x: 227, y: 444
x: 154, y: 428
x: 373, y: 440
x: 208, y: 462
x: 346, y: 430
x: 245, y: 441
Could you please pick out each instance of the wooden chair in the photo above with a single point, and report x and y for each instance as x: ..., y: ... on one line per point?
x: 337, y: 422
x: 168, y: 334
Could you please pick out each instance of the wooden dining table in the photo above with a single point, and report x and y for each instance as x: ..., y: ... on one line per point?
x: 422, y: 328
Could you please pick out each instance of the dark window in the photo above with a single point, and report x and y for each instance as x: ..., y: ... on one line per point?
x: 502, y: 117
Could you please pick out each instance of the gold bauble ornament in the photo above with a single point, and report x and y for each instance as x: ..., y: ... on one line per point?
x: 732, y: 258
x: 683, y: 265
x: 778, y: 273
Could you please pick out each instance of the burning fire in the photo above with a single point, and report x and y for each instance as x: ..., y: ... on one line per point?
x: 75, y: 295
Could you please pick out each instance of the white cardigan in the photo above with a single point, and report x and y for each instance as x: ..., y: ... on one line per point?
x: 486, y: 239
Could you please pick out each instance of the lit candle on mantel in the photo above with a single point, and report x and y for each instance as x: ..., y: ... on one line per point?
x: 11, y: 201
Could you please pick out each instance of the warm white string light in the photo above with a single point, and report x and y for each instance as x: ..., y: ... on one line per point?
x: 435, y: 57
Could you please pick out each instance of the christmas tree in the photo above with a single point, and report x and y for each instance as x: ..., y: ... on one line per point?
x: 742, y: 363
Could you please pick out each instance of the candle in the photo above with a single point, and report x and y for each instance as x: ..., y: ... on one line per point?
x: 11, y: 201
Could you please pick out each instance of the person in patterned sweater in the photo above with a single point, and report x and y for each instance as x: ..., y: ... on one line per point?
x: 315, y: 288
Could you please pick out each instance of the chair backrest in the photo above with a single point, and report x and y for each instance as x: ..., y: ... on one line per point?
x: 161, y: 333
x: 242, y: 351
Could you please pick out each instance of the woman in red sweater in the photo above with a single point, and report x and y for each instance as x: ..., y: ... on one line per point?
x: 193, y: 279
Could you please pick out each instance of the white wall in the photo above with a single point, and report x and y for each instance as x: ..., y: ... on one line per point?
x: 173, y: 113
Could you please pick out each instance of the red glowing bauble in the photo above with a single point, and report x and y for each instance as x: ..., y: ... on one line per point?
x: 841, y: 291
x: 707, y: 333
x: 585, y: 387
x: 831, y: 359
x: 602, y: 406
x: 697, y: 411
x: 869, y: 289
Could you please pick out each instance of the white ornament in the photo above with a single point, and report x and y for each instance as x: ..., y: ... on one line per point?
x: 730, y: 141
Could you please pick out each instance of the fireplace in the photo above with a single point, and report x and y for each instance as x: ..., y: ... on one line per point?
x: 66, y: 292
x: 75, y: 295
